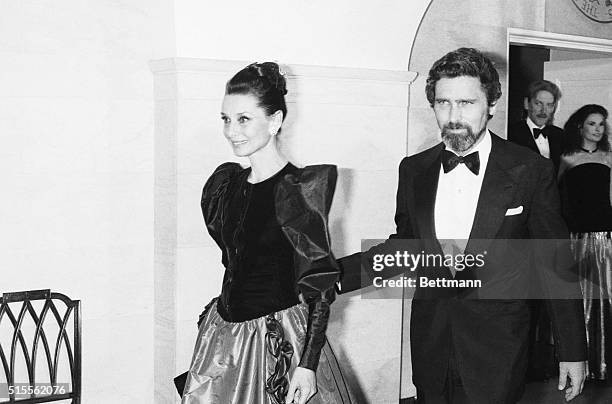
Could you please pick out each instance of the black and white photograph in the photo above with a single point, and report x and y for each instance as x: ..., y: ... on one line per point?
x: 306, y: 202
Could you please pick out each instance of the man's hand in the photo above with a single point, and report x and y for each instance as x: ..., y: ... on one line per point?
x: 576, y: 371
x: 303, y: 385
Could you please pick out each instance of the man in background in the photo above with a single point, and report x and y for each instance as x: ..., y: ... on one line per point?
x: 537, y: 131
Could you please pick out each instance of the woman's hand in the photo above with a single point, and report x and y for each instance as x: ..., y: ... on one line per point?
x: 302, y: 387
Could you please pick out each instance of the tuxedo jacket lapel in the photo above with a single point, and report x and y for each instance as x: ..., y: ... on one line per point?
x: 528, y: 138
x: 425, y: 187
x: 496, y: 193
x: 495, y: 197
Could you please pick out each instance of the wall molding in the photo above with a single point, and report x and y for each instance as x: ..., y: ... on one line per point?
x: 518, y: 36
x: 175, y: 65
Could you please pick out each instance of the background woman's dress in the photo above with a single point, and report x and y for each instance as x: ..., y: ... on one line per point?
x: 585, y: 191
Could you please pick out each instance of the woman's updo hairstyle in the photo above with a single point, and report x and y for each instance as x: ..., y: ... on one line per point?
x: 265, y: 82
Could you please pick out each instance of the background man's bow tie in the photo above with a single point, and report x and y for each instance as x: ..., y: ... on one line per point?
x: 450, y: 160
x: 537, y: 132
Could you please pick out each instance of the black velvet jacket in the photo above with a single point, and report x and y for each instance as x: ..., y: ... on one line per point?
x: 302, y: 199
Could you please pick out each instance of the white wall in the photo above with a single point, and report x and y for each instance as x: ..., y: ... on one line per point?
x: 563, y: 17
x: 76, y: 157
x: 76, y: 144
x: 581, y: 82
x: 352, y: 33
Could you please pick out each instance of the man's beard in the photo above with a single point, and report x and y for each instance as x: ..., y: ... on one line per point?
x: 460, y: 142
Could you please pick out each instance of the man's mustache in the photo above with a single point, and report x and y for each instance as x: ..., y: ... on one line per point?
x: 455, y: 126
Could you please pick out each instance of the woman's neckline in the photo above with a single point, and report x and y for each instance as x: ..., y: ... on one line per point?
x: 584, y: 163
x: 276, y: 174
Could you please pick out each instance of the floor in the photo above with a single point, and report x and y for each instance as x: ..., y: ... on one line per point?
x: 547, y: 393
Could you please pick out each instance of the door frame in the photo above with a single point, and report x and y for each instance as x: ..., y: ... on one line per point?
x: 518, y: 36
x: 551, y: 40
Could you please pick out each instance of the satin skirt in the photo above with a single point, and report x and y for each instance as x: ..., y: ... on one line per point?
x: 237, y: 363
x: 593, y: 252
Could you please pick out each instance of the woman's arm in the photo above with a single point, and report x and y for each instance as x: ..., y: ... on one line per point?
x: 303, y: 201
x: 212, y: 201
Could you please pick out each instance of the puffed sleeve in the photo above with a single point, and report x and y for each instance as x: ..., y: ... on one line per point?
x: 303, y: 201
x: 212, y: 201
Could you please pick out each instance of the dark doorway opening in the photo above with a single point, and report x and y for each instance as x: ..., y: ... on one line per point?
x: 525, y: 65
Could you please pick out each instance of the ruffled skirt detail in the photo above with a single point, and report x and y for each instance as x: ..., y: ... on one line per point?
x: 252, y: 361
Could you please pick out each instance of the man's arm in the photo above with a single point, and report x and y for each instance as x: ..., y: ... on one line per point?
x: 546, y: 222
x: 352, y: 269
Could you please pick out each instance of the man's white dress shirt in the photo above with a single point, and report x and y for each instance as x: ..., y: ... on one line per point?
x: 457, y: 196
x: 541, y: 141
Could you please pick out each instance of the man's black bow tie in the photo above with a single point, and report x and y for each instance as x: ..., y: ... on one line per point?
x: 537, y: 132
x: 450, y: 160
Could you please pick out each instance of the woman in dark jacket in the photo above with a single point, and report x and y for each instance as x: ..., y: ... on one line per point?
x: 263, y: 339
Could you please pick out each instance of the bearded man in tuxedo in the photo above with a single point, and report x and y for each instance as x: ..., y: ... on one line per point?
x: 475, y: 186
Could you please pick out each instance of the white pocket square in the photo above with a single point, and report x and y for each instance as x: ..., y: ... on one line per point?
x: 514, y: 211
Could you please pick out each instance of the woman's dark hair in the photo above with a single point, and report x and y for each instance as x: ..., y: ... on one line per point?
x: 263, y: 81
x: 573, y: 126
x: 465, y: 62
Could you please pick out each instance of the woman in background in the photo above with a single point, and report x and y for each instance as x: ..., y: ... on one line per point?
x: 584, y: 174
x: 263, y: 339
